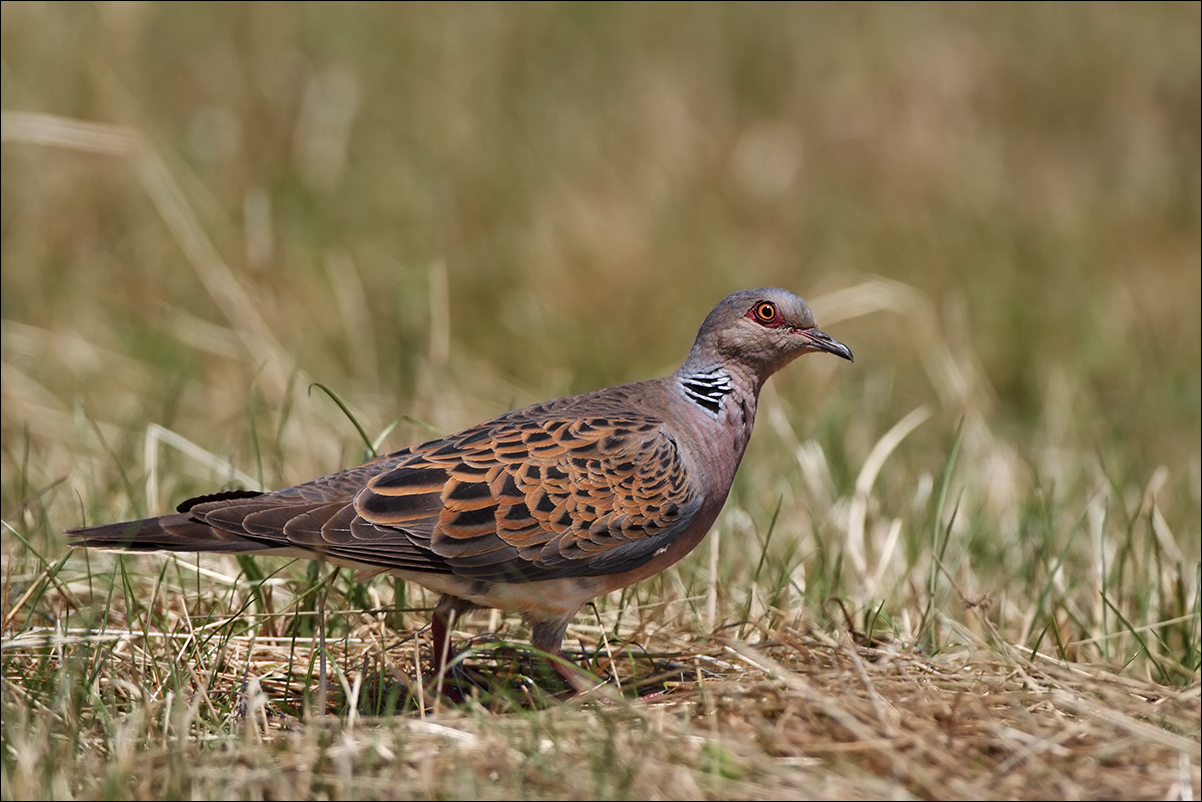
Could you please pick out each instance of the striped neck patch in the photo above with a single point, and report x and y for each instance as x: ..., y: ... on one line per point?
x: 707, y: 388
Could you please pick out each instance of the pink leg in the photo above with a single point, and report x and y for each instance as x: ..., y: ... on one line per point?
x: 548, y: 637
x: 440, y: 630
x: 577, y: 681
x: 445, y: 615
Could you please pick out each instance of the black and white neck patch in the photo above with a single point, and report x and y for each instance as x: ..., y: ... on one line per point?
x: 707, y: 389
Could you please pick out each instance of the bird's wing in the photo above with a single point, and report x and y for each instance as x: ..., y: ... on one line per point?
x: 523, y: 497
x: 535, y: 497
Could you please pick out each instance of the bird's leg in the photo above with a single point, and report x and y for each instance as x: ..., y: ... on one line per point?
x: 547, y: 636
x: 440, y: 630
x: 446, y: 613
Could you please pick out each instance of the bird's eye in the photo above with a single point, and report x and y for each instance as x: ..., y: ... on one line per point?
x: 765, y: 312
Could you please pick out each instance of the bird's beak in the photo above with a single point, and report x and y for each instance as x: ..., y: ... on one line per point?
x: 820, y: 341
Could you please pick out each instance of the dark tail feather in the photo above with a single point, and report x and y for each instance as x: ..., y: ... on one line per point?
x: 168, y: 533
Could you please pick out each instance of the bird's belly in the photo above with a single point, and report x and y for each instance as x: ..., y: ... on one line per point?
x: 552, y: 598
x: 560, y: 597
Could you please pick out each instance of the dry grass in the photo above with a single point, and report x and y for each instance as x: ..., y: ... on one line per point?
x: 966, y: 566
x: 797, y: 714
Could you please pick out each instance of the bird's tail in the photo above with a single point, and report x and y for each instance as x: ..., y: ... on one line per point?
x: 179, y: 532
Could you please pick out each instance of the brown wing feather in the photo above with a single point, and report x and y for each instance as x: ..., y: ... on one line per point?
x: 540, y: 496
x: 539, y: 493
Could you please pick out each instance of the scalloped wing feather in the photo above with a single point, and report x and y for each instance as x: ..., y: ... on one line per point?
x: 539, y: 493
x: 539, y: 496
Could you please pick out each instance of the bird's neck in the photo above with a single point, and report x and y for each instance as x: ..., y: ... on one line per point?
x: 721, y: 400
x: 723, y: 393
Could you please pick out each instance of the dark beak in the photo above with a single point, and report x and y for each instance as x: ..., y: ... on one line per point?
x: 821, y: 341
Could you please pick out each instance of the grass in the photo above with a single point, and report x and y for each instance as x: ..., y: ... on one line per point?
x: 242, y: 247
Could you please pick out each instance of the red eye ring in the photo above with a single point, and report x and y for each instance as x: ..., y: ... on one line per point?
x: 765, y: 312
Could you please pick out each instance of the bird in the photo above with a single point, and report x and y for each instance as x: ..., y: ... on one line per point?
x: 538, y: 510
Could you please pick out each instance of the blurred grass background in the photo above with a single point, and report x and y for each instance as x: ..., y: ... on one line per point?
x: 443, y: 211
x: 593, y: 177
